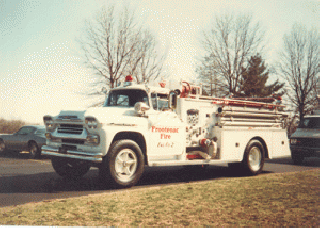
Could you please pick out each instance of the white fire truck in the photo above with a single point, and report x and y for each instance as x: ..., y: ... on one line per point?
x: 141, y: 125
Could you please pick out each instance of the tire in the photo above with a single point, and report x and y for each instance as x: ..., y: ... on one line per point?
x: 253, y: 159
x: 34, y: 151
x: 123, y: 165
x: 2, y: 147
x: 67, y: 167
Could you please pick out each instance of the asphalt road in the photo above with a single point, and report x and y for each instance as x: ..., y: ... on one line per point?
x: 23, y: 180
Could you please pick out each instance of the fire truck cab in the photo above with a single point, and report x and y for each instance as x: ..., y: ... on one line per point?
x: 141, y: 125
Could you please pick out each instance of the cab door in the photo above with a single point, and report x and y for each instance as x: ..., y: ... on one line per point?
x: 166, y: 130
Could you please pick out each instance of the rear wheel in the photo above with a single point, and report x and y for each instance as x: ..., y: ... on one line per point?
x: 253, y: 159
x: 123, y: 165
x: 67, y: 167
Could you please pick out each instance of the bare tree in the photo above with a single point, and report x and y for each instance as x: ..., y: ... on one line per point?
x: 230, y: 42
x: 109, y: 42
x: 115, y: 45
x: 299, y: 66
x: 212, y: 83
x: 147, y: 65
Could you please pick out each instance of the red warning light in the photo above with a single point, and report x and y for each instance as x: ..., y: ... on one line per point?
x: 129, y: 78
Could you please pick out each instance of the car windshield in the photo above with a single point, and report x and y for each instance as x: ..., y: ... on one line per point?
x: 126, y: 98
x: 25, y: 130
x: 310, y: 123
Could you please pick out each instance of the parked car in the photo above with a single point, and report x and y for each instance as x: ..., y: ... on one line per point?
x: 28, y: 138
x: 305, y: 142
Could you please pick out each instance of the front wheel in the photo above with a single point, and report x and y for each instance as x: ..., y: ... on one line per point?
x: 123, y: 165
x: 66, y: 167
x: 253, y: 159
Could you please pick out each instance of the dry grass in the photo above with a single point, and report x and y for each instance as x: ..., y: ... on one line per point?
x: 268, y: 200
x: 10, y: 126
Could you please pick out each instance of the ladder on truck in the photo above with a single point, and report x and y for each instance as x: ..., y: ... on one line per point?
x: 248, y: 112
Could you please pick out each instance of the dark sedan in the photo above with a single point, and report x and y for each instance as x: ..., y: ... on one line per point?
x: 28, y: 138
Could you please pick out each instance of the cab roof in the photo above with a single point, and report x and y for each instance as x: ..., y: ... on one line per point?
x: 151, y: 89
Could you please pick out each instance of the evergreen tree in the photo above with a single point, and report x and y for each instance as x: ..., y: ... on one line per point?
x: 254, y: 79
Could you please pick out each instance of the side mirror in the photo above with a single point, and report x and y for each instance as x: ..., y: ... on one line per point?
x: 140, y: 108
x: 173, y: 97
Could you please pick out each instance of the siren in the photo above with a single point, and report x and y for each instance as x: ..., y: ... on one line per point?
x: 128, y: 80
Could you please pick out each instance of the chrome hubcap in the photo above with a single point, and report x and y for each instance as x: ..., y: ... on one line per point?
x: 255, y: 158
x: 126, y: 164
x: 33, y: 149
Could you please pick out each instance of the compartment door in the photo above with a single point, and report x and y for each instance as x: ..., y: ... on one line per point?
x: 166, y: 134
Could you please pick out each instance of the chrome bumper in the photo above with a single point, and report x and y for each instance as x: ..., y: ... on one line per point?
x: 95, y: 157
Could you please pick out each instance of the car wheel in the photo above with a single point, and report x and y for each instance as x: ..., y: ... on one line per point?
x: 34, y: 151
x: 2, y: 147
x: 123, y: 165
x: 66, y: 167
x: 253, y: 159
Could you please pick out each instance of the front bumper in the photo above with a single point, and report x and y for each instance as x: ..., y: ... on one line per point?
x: 94, y: 157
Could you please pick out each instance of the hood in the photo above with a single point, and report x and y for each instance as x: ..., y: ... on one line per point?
x: 306, y: 133
x: 104, y: 114
x: 76, y: 113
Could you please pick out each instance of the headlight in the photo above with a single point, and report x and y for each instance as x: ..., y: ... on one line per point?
x: 91, y: 122
x: 94, y: 139
x: 48, y: 122
x: 53, y: 139
x: 293, y: 141
x: 48, y: 135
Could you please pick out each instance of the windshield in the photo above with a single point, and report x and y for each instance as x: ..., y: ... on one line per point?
x: 310, y: 123
x: 159, y: 101
x: 126, y: 98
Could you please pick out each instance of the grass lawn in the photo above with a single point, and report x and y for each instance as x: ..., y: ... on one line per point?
x: 288, y: 199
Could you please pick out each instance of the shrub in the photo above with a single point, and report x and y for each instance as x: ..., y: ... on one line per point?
x: 10, y: 126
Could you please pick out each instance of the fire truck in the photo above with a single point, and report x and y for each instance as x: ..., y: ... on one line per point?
x: 164, y: 125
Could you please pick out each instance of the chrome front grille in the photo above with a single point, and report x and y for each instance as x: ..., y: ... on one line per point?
x: 73, y: 129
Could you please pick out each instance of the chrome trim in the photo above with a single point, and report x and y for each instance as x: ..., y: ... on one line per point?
x: 120, y: 124
x: 83, y: 135
x: 69, y: 118
x: 97, y: 157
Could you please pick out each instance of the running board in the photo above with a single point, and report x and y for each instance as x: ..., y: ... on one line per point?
x: 189, y: 162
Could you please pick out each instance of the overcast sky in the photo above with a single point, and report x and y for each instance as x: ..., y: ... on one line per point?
x: 40, y: 67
